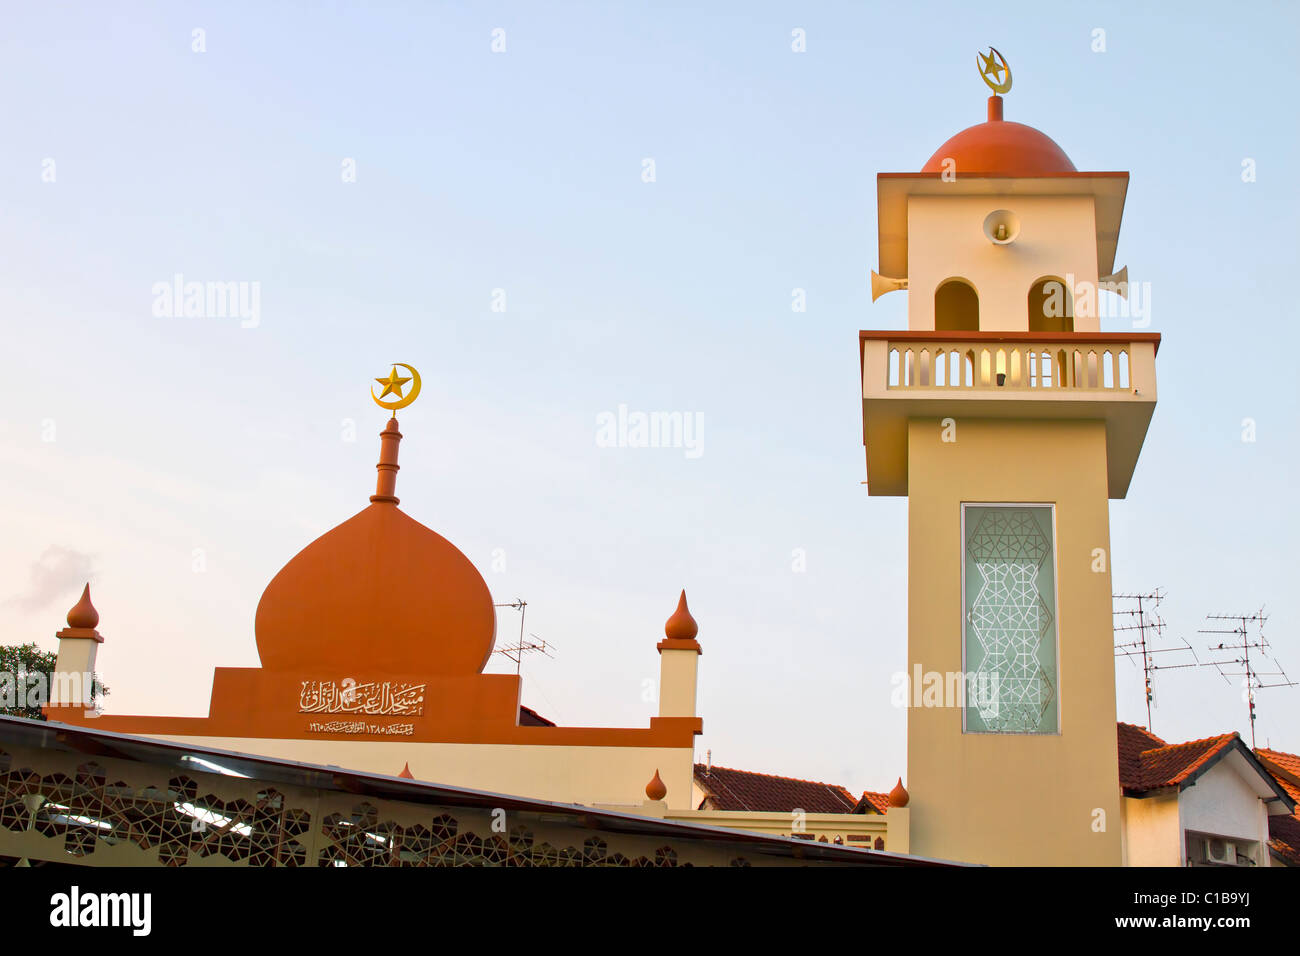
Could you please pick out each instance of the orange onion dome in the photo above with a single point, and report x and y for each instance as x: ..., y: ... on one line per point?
x: 1000, y: 148
x: 681, y: 626
x: 83, y: 613
x: 656, y: 789
x: 380, y: 593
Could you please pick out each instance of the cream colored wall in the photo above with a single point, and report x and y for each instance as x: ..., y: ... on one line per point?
x: 1013, y: 798
x: 814, y: 825
x: 697, y: 795
x: 1153, y: 833
x: 76, y: 657
x: 586, y: 775
x: 677, y: 678
x: 1058, y: 236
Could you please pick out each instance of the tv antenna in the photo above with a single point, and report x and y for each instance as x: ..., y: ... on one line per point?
x: 1143, y: 616
x: 516, y: 651
x: 1253, y: 678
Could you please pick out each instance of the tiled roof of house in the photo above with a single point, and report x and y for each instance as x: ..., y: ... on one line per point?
x: 1284, y: 838
x: 872, y: 802
x: 1285, y: 768
x: 1284, y: 831
x: 1148, y: 763
x: 728, y: 789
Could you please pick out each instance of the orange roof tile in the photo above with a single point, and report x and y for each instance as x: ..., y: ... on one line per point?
x: 1284, y: 766
x: 1147, y: 763
x: 872, y: 802
x: 728, y: 789
x: 1284, y: 831
x: 1284, y: 838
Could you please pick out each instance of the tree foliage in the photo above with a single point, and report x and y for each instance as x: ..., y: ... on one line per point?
x: 26, y: 679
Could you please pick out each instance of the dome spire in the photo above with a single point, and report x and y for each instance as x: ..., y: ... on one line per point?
x: 83, y: 613
x: 386, y: 483
x: 991, y: 69
x: 681, y: 626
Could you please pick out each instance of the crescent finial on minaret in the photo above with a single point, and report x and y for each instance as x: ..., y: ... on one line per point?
x: 394, y: 384
x: 992, y: 65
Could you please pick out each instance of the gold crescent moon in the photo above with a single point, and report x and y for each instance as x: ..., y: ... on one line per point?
x: 1005, y: 85
x: 400, y: 402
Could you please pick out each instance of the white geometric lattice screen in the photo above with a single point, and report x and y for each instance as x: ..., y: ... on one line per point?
x: 1010, y: 620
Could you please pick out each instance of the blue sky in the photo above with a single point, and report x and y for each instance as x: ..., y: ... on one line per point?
x: 522, y: 171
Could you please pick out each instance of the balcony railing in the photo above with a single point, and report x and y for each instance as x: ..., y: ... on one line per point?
x: 976, y: 361
x: 1081, y: 376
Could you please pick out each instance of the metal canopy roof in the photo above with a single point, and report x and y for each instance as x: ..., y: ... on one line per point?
x: 54, y: 736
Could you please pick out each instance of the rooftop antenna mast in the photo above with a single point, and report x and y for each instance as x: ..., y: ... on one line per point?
x: 516, y: 651
x: 1253, y: 678
x: 1142, y: 615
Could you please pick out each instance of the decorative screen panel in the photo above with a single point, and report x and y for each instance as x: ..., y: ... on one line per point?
x: 1009, y: 599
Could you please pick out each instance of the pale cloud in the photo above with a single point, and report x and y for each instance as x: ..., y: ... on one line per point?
x: 57, y: 573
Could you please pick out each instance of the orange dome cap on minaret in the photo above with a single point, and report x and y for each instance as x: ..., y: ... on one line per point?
x: 380, y: 593
x: 681, y: 626
x: 899, y: 796
x: 999, y: 148
x: 83, y: 613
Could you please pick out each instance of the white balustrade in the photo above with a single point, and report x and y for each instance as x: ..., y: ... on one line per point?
x: 1008, y: 365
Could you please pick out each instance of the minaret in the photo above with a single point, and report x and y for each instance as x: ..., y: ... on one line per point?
x: 1008, y: 419
x: 679, y: 661
x: 74, y: 664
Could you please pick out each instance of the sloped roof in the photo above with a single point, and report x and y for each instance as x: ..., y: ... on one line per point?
x: 728, y: 789
x: 74, y: 742
x: 1284, y: 766
x: 1147, y: 763
x: 872, y: 802
x: 1284, y: 831
x: 1284, y: 838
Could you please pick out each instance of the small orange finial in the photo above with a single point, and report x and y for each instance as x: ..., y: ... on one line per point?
x: 83, y: 613
x: 681, y: 626
x: 406, y: 772
x: 899, y: 796
x: 386, y: 483
x: 655, y: 789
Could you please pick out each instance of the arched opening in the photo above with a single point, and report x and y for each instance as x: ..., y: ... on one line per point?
x: 1051, y: 306
x: 956, y: 307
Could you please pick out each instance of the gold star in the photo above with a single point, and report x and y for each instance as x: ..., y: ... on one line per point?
x: 393, y: 384
x: 991, y: 67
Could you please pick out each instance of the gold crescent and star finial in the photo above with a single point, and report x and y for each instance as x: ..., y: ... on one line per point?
x: 991, y: 70
x: 394, y: 384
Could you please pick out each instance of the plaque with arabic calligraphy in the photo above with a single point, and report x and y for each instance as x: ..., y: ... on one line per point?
x: 374, y: 698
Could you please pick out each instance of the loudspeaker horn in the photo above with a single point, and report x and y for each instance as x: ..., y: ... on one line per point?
x: 1001, y: 227
x: 1118, y: 282
x: 882, y: 284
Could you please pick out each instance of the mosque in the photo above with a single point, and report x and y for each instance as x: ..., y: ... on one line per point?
x: 1005, y: 416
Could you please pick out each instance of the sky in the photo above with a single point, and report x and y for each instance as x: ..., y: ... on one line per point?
x: 387, y: 182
